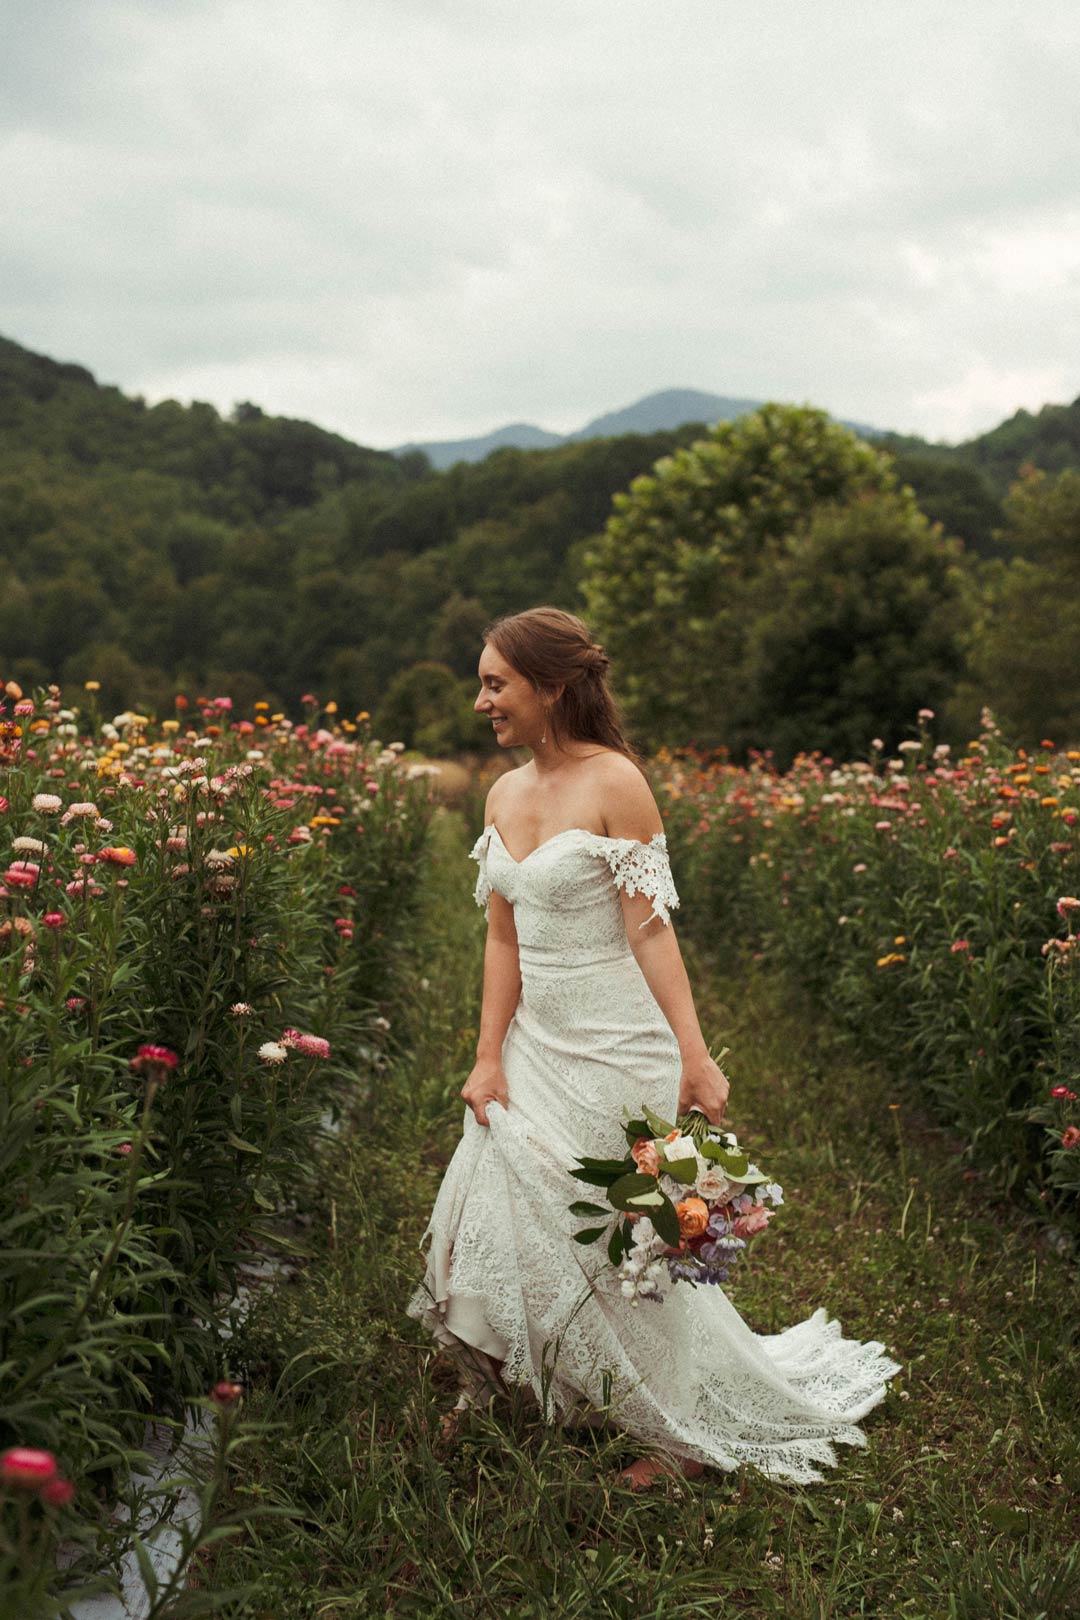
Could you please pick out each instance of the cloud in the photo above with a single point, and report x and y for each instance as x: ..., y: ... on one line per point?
x: 408, y: 220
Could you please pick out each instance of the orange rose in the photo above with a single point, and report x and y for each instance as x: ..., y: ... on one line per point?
x: 645, y: 1156
x: 693, y: 1216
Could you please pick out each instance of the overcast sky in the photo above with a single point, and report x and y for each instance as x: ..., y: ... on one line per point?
x: 417, y: 219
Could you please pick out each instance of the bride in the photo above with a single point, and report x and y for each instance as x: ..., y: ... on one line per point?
x: 587, y: 1014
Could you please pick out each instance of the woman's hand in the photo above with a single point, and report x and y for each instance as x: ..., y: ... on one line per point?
x: 704, y: 1085
x: 486, y: 1084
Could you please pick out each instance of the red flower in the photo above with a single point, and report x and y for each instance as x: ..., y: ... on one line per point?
x: 22, y: 874
x: 118, y: 854
x: 54, y: 919
x: 226, y: 1394
x: 1063, y: 1091
x: 156, y: 1062
x: 1071, y: 1136
x: 58, y: 1492
x: 28, y: 1468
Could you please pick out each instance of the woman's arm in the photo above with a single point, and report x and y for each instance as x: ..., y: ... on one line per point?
x: 501, y: 992
x: 631, y: 812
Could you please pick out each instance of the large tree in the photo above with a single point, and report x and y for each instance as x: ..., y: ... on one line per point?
x: 689, y: 563
x: 1024, y: 661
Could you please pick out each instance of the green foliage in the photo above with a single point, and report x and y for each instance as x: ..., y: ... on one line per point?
x: 915, y: 898
x: 867, y: 624
x: 1024, y: 661
x: 204, y: 916
x: 689, y: 561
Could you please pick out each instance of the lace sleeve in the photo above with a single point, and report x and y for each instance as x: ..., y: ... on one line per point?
x: 641, y: 868
x: 478, y: 853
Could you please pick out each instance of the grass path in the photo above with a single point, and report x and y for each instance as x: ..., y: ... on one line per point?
x: 965, y: 1505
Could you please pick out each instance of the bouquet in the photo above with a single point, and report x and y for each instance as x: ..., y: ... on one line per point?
x: 683, y: 1204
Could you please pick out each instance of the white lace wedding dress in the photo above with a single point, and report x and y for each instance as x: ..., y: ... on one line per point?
x: 586, y: 1047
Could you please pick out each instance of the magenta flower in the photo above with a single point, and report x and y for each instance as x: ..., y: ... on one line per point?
x: 22, y: 874
x: 27, y: 1467
x: 309, y: 1045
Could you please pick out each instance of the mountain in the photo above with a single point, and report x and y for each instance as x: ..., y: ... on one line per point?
x: 662, y: 412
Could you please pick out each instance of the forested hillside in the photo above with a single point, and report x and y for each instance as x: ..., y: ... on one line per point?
x: 167, y: 548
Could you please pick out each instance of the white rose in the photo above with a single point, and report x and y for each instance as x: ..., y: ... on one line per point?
x: 714, y: 1186
x: 682, y: 1148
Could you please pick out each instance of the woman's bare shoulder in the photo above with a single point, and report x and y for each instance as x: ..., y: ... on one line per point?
x: 629, y: 807
x: 504, y: 790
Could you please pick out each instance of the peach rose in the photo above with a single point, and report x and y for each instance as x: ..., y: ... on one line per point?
x: 693, y: 1216
x: 645, y: 1156
x: 755, y: 1220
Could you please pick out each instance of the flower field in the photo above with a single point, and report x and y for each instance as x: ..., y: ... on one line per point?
x: 929, y: 902
x: 202, y: 923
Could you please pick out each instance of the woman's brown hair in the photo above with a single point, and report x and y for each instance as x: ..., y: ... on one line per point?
x: 552, y: 648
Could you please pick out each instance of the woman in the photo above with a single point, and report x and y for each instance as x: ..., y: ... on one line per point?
x: 587, y: 1015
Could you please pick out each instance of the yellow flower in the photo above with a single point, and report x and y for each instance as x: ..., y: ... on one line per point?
x: 1073, y: 754
x: 1021, y: 781
x: 330, y: 708
x: 276, y: 717
x: 1048, y: 803
x: 240, y: 849
x: 262, y: 704
x: 893, y: 957
x: 261, y: 720
x: 363, y: 715
x: 325, y: 821
x: 170, y: 725
x: 901, y: 939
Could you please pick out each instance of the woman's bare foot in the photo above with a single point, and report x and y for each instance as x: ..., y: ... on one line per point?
x: 647, y: 1470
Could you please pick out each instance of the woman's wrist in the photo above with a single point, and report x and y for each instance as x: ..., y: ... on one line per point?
x: 693, y: 1048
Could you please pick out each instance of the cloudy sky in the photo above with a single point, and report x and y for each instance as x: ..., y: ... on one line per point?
x: 415, y: 219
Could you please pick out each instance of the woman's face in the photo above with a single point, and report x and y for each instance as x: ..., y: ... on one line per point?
x: 512, y: 707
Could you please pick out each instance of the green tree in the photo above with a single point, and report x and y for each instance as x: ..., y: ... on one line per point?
x: 1024, y: 662
x: 688, y: 561
x: 429, y: 708
x: 868, y: 626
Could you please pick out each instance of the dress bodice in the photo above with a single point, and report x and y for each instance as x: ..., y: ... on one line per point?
x: 565, y: 892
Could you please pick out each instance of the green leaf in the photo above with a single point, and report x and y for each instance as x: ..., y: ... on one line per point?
x: 602, y: 1164
x: 239, y: 1142
x: 684, y: 1170
x: 667, y: 1223
x: 597, y: 1178
x: 627, y: 1189
x: 581, y: 1206
x: 615, y: 1247
x: 590, y: 1234
x: 658, y: 1126
x: 636, y: 1129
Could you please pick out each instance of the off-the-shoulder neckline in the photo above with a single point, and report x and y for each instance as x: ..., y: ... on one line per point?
x: 599, y: 837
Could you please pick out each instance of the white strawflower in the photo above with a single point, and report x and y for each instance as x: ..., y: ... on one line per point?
x: 273, y: 1052
x: 47, y: 803
x: 241, y: 1009
x: 28, y: 846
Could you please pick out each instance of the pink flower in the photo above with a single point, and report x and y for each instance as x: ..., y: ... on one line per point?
x: 26, y: 1467
x: 156, y: 1062
x: 1071, y: 1136
x: 882, y: 826
x: 755, y: 1220
x: 22, y: 874
x: 646, y: 1157
x: 54, y: 919
x: 222, y: 704
x: 949, y: 855
x: 309, y: 1045
x: 225, y: 1393
x: 124, y: 1149
x: 1067, y: 903
x: 1063, y: 1091
x: 58, y: 1492
x: 960, y: 947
